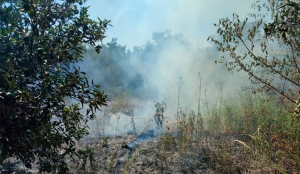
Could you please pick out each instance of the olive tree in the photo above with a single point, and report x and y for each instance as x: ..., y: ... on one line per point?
x: 40, y: 40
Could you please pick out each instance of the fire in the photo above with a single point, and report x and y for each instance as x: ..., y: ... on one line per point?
x: 169, y: 129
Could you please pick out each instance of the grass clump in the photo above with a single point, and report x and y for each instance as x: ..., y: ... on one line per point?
x: 263, y: 125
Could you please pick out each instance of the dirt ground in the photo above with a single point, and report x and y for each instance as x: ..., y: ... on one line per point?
x: 147, y: 154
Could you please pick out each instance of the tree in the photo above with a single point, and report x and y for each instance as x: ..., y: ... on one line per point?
x: 112, y: 68
x: 39, y: 41
x: 271, y: 61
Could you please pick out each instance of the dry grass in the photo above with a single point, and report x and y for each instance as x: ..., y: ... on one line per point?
x: 248, y: 133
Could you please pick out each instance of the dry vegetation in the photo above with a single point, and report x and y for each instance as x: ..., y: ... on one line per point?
x: 248, y: 133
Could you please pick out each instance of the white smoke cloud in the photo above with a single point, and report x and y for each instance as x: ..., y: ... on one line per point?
x: 134, y: 22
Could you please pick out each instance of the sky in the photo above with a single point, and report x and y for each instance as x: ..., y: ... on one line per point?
x: 134, y: 21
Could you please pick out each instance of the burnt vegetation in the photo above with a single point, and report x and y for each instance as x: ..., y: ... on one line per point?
x: 48, y: 98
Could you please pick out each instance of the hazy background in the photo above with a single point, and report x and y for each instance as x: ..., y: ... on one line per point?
x: 157, y: 44
x: 134, y: 21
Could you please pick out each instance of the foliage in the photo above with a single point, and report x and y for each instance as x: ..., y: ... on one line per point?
x: 39, y: 40
x: 272, y: 63
x: 86, y: 155
x: 263, y: 125
x: 122, y: 71
x: 112, y: 65
x: 159, y: 113
x: 272, y: 60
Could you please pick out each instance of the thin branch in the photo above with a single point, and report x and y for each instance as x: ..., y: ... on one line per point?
x: 263, y: 81
x: 276, y: 71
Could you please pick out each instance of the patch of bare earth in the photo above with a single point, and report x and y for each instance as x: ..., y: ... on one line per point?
x: 127, y: 154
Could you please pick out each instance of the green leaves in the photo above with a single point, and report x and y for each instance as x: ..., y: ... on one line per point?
x: 270, y: 65
x: 39, y: 41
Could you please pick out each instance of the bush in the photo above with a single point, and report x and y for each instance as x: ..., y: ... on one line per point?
x: 39, y: 41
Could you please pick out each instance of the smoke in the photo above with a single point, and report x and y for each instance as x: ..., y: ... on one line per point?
x: 161, y: 63
x: 172, y: 70
x: 134, y: 21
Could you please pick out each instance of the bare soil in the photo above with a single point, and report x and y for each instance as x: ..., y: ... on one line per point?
x: 128, y: 154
